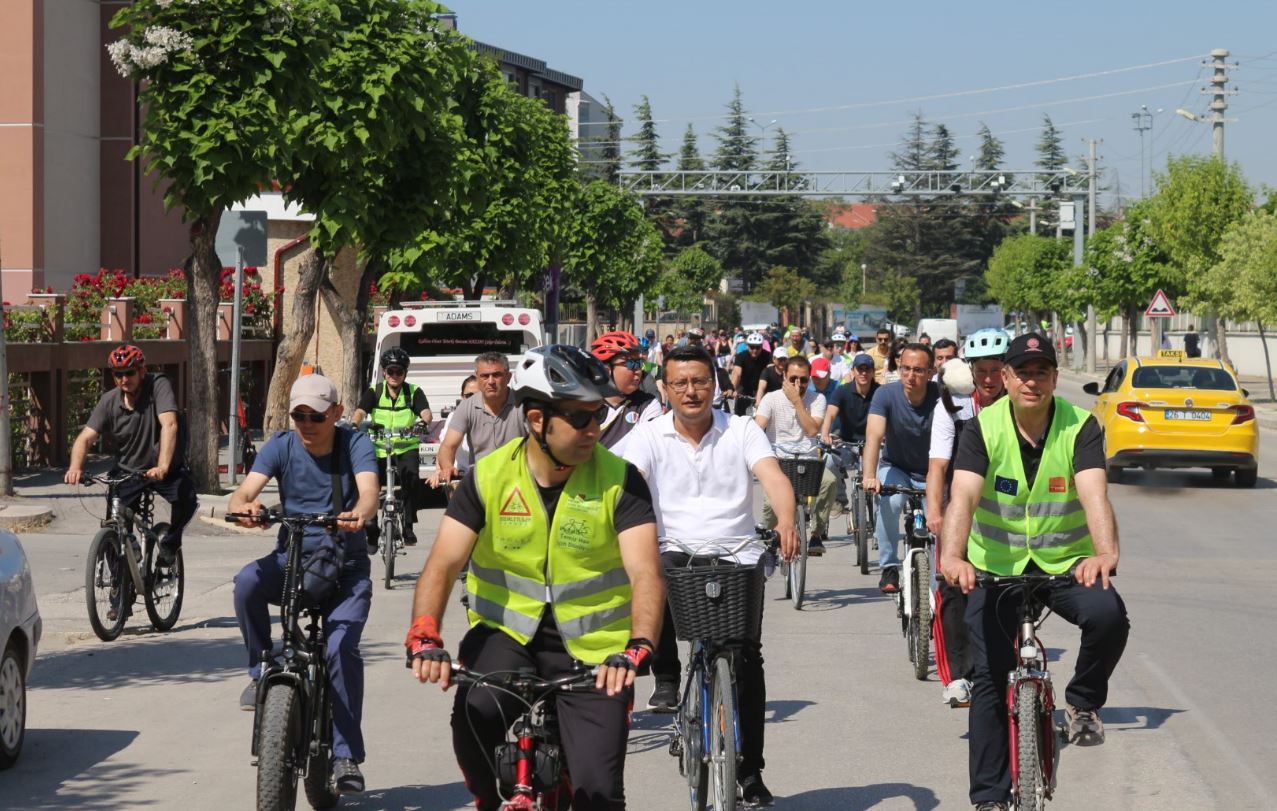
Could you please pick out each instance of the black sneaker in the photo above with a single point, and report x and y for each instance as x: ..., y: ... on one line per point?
x: 753, y: 793
x: 167, y: 556
x: 816, y: 546
x: 248, y: 698
x: 346, y: 776
x: 889, y: 583
x: 410, y: 539
x: 991, y: 807
x: 664, y: 696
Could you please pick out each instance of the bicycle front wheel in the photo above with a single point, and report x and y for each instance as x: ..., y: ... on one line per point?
x: 691, y: 728
x: 863, y: 528
x: 920, y: 619
x: 277, y: 756
x: 722, y: 713
x: 107, y: 588
x: 390, y: 541
x: 796, y: 580
x: 164, y: 585
x: 1029, y: 784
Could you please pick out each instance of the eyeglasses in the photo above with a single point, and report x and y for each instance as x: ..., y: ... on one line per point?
x: 581, y: 419
x: 633, y: 364
x: 396, y: 371
x: 308, y: 416
x: 699, y: 383
x: 123, y: 374
x: 800, y: 380
x: 883, y: 340
x: 913, y: 370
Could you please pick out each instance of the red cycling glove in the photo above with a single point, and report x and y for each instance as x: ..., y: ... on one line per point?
x: 424, y: 642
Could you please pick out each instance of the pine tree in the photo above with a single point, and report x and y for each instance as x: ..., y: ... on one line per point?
x: 731, y: 234
x: 942, y: 155
x: 991, y: 152
x: 913, y: 156
x: 689, y: 155
x: 687, y: 214
x: 1051, y: 154
x: 737, y: 149
x: 605, y: 149
x: 646, y: 155
x: 791, y: 229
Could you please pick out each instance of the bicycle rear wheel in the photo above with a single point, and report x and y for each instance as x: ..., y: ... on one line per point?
x: 920, y: 619
x: 277, y: 764
x: 722, y: 713
x: 1028, y: 789
x: 691, y: 728
x: 107, y: 588
x: 796, y: 580
x: 164, y: 587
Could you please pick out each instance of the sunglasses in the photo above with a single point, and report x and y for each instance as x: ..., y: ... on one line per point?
x: 800, y: 380
x: 123, y: 374
x: 396, y: 371
x: 581, y: 419
x: 632, y: 364
x: 308, y: 416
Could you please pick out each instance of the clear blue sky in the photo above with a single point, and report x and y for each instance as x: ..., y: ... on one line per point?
x: 792, y: 57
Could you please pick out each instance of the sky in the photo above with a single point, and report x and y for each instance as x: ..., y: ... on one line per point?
x: 844, y: 78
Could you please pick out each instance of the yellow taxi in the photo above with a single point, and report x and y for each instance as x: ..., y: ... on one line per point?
x: 1175, y: 412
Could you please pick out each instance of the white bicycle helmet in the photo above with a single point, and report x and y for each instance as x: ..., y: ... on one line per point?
x: 986, y: 343
x: 560, y: 372
x: 839, y: 338
x: 754, y: 339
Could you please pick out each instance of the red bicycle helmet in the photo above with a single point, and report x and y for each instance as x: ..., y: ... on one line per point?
x: 125, y: 356
x: 610, y: 344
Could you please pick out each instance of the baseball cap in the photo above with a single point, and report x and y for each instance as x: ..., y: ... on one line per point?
x: 315, y: 391
x: 1030, y: 346
x: 862, y: 360
x: 820, y: 367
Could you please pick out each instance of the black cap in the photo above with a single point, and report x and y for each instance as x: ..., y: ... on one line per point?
x: 1030, y: 346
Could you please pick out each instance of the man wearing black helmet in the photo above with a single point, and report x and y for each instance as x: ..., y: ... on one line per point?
x: 561, y: 534
x: 392, y: 404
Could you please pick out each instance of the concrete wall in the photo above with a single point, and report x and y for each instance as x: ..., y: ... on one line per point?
x: 21, y: 145
x: 1244, y: 348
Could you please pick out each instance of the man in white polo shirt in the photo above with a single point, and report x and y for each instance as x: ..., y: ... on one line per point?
x: 698, y: 461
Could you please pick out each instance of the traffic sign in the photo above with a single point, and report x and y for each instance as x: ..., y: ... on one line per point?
x: 1160, y: 306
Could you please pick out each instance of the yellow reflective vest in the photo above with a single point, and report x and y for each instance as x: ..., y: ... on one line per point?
x: 394, y: 413
x: 1014, y: 523
x: 521, y: 563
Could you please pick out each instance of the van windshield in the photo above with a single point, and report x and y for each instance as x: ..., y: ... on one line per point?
x: 443, y: 340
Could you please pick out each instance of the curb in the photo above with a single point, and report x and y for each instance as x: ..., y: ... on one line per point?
x: 20, y: 517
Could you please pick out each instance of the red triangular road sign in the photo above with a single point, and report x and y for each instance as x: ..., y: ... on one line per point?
x: 1160, y: 306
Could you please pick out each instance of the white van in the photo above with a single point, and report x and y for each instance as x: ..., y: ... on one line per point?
x: 442, y: 338
x: 937, y: 328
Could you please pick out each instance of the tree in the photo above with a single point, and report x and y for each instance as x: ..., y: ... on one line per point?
x: 732, y: 235
x: 1126, y: 267
x: 1025, y: 274
x: 1244, y: 280
x: 605, y: 153
x: 991, y: 151
x: 691, y: 275
x: 688, y: 214
x: 217, y: 84
x: 647, y: 155
x: 913, y: 154
x: 785, y: 290
x: 790, y: 230
x: 943, y: 155
x: 1050, y: 147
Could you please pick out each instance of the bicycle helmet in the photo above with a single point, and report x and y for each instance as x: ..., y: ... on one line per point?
x: 395, y: 356
x: 839, y: 338
x: 125, y: 356
x: 610, y: 344
x: 560, y: 372
x: 986, y: 343
x: 754, y: 339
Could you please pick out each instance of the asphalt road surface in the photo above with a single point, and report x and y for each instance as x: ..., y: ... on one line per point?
x: 151, y: 720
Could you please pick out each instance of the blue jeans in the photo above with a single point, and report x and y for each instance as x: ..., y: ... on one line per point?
x: 889, y: 510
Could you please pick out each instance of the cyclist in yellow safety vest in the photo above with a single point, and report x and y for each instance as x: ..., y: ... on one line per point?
x: 396, y: 404
x: 1029, y: 495
x: 561, y: 537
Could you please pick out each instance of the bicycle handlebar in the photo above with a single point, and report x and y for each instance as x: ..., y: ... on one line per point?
x: 763, y: 540
x: 526, y: 681
x: 894, y: 489
x: 108, y: 480
x: 986, y: 581
x: 266, y: 518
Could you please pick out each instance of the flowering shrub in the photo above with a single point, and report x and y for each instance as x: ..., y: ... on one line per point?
x: 257, y: 303
x: 89, y: 293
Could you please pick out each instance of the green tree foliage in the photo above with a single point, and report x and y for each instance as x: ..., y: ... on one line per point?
x: 784, y: 289
x: 691, y: 275
x: 838, y: 267
x: 914, y: 153
x: 991, y: 152
x: 731, y: 234
x: 737, y: 147
x: 605, y: 148
x: 1050, y: 147
x: 646, y: 155
x: 1031, y: 274
x: 688, y: 214
x: 1244, y: 280
x: 791, y: 229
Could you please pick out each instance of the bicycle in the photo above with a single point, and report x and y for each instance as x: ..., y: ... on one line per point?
x: 860, y: 515
x: 293, y: 720
x: 1030, y: 695
x: 713, y: 600
x: 532, y: 774
x: 915, y: 601
x: 119, y: 568
x: 392, y: 512
x: 804, y: 472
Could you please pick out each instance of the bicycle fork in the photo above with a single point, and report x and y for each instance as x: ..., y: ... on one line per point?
x: 1031, y: 672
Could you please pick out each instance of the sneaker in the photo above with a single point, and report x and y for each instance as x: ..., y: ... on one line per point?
x: 957, y: 693
x: 248, y: 698
x: 889, y: 583
x: 465, y: 599
x: 838, y: 509
x: 991, y: 807
x: 1085, y: 726
x: 816, y: 546
x: 753, y: 793
x: 664, y: 696
x: 410, y: 539
x: 167, y: 556
x: 346, y: 776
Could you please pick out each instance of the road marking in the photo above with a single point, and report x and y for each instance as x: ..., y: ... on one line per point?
x: 1217, y: 736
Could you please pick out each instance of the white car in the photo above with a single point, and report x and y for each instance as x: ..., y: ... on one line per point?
x: 20, y: 629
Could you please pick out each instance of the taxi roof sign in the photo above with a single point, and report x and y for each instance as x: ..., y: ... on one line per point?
x: 1160, y: 306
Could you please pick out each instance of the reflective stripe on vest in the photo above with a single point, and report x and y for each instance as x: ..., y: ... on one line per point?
x: 1013, y: 523
x: 521, y: 562
x: 395, y: 413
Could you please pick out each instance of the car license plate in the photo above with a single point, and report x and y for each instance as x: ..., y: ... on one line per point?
x: 1185, y: 414
x: 457, y: 315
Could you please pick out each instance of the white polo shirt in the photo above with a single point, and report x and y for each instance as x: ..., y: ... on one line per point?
x: 703, y: 493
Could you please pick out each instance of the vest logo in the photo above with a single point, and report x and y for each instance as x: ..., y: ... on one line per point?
x: 1058, y: 484
x: 1006, y: 486
x: 515, y: 505
x: 632, y: 417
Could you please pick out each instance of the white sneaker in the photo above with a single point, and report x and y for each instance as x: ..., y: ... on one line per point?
x: 957, y: 693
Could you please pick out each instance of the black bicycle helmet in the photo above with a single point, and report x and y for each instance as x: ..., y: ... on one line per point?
x: 395, y: 356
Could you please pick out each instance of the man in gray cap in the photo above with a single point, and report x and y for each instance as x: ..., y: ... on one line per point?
x: 303, y: 463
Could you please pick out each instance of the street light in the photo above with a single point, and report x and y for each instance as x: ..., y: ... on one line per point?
x: 864, y: 269
x: 1181, y: 112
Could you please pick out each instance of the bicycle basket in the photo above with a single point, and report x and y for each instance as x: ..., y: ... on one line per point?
x: 720, y: 602
x: 804, y: 474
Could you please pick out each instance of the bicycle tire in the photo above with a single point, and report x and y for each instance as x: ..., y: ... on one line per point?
x: 389, y: 548
x: 920, y: 620
x: 276, y: 755
x: 104, y: 572
x: 723, y: 735
x: 164, y: 595
x: 1029, y: 788
x: 796, y: 569
x: 320, y: 792
x: 862, y: 529
x: 691, y: 728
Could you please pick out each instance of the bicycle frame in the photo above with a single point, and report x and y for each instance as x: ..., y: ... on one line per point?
x: 124, y: 519
x: 919, y: 543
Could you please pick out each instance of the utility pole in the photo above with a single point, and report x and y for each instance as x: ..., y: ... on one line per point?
x: 1143, y: 121
x: 1033, y: 216
x: 237, y: 315
x: 1219, y: 101
x: 1092, y: 331
x: 6, y: 444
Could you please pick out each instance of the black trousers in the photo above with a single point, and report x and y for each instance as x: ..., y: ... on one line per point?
x: 953, y: 641
x: 742, y: 404
x: 178, y: 489
x: 593, y: 726
x: 992, y: 615
x: 408, y: 476
x: 751, y: 682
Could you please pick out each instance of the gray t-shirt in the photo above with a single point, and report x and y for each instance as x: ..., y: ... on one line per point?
x: 136, y: 432
x: 484, y: 431
x: 908, y: 437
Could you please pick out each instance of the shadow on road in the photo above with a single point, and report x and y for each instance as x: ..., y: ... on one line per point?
x: 64, y: 768
x: 833, y: 599
x: 162, y: 659
x: 1171, y: 482
x: 859, y: 798
x: 783, y: 710
x: 411, y: 798
x: 1136, y: 719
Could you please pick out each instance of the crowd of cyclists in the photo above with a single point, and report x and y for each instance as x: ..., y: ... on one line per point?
x: 571, y: 474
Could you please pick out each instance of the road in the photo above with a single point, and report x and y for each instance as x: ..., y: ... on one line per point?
x: 151, y: 720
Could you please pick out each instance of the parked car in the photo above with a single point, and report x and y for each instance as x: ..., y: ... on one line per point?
x: 20, y: 629
x: 1175, y: 412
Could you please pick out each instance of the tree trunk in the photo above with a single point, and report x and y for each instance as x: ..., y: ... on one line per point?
x: 591, y: 317
x: 1127, y: 325
x: 1268, y: 364
x: 1221, y: 339
x: 288, y: 356
x: 203, y: 283
x: 350, y: 333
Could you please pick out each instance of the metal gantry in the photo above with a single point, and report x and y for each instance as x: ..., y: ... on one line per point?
x: 876, y: 185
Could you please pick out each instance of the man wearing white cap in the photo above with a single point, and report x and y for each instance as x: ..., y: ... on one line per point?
x: 304, y: 462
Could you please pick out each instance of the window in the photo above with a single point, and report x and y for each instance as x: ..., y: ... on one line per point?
x: 1114, y: 380
x: 445, y: 340
x: 1183, y: 377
